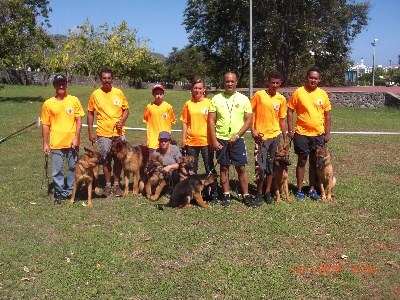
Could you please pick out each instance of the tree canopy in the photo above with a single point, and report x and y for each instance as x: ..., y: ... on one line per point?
x: 288, y: 35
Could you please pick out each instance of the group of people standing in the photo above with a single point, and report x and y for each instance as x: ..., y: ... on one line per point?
x: 209, y: 126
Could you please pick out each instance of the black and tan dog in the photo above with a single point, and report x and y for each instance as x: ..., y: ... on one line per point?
x: 134, y: 160
x: 155, y: 180
x: 189, y: 189
x: 280, y: 176
x: 324, y: 170
x: 87, y: 170
x: 186, y: 164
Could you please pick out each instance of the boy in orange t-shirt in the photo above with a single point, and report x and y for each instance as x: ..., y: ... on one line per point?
x: 313, y: 127
x: 269, y: 108
x: 61, y: 124
x: 159, y: 116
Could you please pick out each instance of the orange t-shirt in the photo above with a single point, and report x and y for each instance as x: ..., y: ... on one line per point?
x: 60, y: 116
x: 267, y: 112
x: 310, y: 107
x: 158, y: 118
x: 195, y: 115
x: 109, y: 107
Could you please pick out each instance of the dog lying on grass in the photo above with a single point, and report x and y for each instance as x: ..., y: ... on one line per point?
x: 190, y: 189
x: 280, y: 176
x: 134, y: 160
x: 324, y: 169
x: 87, y: 170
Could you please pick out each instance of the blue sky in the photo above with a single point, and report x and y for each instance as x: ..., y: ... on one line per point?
x: 160, y: 21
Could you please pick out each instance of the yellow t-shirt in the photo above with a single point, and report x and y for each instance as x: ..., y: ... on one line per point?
x: 60, y: 116
x: 310, y: 107
x: 267, y: 112
x: 195, y: 115
x: 158, y: 118
x: 109, y: 107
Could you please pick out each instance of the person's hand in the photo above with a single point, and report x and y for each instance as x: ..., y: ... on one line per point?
x: 290, y: 135
x: 119, y: 125
x: 217, y: 145
x: 285, y: 146
x: 74, y: 143
x: 92, y: 138
x: 327, y: 137
x: 46, y: 149
x: 254, y: 134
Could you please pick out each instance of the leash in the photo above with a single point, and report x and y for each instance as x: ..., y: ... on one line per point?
x: 30, y: 125
x: 221, y: 154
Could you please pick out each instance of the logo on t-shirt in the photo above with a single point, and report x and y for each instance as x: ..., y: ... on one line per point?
x: 319, y: 102
x: 205, y: 111
x: 164, y: 116
x: 276, y: 106
x: 116, y: 102
x: 70, y: 110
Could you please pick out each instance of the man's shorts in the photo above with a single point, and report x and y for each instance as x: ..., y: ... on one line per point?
x: 304, y: 145
x: 264, y: 155
x: 235, y: 155
x: 106, y: 142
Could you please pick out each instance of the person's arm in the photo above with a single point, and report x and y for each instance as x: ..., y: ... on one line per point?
x: 248, y: 122
x: 282, y: 126
x: 120, y: 124
x: 90, y: 119
x: 184, y: 134
x: 212, y: 117
x: 45, y: 138
x: 75, y: 141
x: 327, y: 135
x: 290, y: 123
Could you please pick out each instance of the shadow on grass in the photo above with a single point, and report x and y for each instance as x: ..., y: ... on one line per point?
x: 21, y: 99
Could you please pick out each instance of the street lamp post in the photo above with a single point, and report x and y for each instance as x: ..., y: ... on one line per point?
x: 373, y: 63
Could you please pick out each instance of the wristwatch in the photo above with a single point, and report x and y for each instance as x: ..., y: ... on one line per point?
x: 237, y: 136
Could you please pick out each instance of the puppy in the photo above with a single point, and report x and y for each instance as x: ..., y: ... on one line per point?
x: 190, y: 188
x: 87, y: 170
x: 155, y: 180
x: 280, y: 175
x: 134, y: 160
x: 186, y: 164
x: 324, y: 170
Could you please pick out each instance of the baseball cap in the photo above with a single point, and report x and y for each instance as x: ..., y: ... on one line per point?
x: 164, y: 135
x: 59, y: 77
x: 157, y: 86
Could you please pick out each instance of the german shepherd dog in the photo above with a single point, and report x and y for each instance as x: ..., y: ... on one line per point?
x: 324, y: 170
x: 87, y: 170
x: 186, y: 164
x: 189, y: 189
x: 155, y: 180
x: 134, y: 160
x: 280, y: 175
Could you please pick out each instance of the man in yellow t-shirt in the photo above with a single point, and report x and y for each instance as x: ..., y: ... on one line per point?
x: 313, y: 127
x: 61, y: 124
x: 228, y: 120
x: 159, y: 116
x: 112, y: 110
x: 269, y: 120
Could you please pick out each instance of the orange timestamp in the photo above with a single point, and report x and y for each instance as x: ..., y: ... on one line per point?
x: 333, y: 269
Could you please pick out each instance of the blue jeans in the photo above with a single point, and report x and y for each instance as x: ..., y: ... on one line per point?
x: 62, y: 188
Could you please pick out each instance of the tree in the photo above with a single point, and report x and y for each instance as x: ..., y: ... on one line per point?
x: 22, y: 25
x: 288, y: 35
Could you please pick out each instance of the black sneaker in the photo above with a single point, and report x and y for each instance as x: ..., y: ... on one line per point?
x: 57, y: 200
x: 249, y: 201
x: 214, y: 200
x: 226, y: 200
x: 268, y: 198
x: 258, y: 200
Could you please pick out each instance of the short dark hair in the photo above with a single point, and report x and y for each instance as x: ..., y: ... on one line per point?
x: 107, y: 71
x: 274, y: 75
x: 314, y: 69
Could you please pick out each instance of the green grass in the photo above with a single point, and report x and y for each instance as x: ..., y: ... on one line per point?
x: 127, y: 249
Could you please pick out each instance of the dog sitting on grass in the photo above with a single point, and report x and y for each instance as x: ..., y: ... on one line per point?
x: 324, y: 169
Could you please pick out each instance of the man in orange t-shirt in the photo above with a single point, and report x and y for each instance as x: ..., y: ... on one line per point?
x: 61, y: 124
x: 269, y: 108
x: 313, y: 127
x: 112, y: 110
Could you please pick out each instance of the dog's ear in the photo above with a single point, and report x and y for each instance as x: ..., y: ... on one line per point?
x: 89, y: 152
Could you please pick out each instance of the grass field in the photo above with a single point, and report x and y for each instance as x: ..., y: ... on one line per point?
x: 128, y: 249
